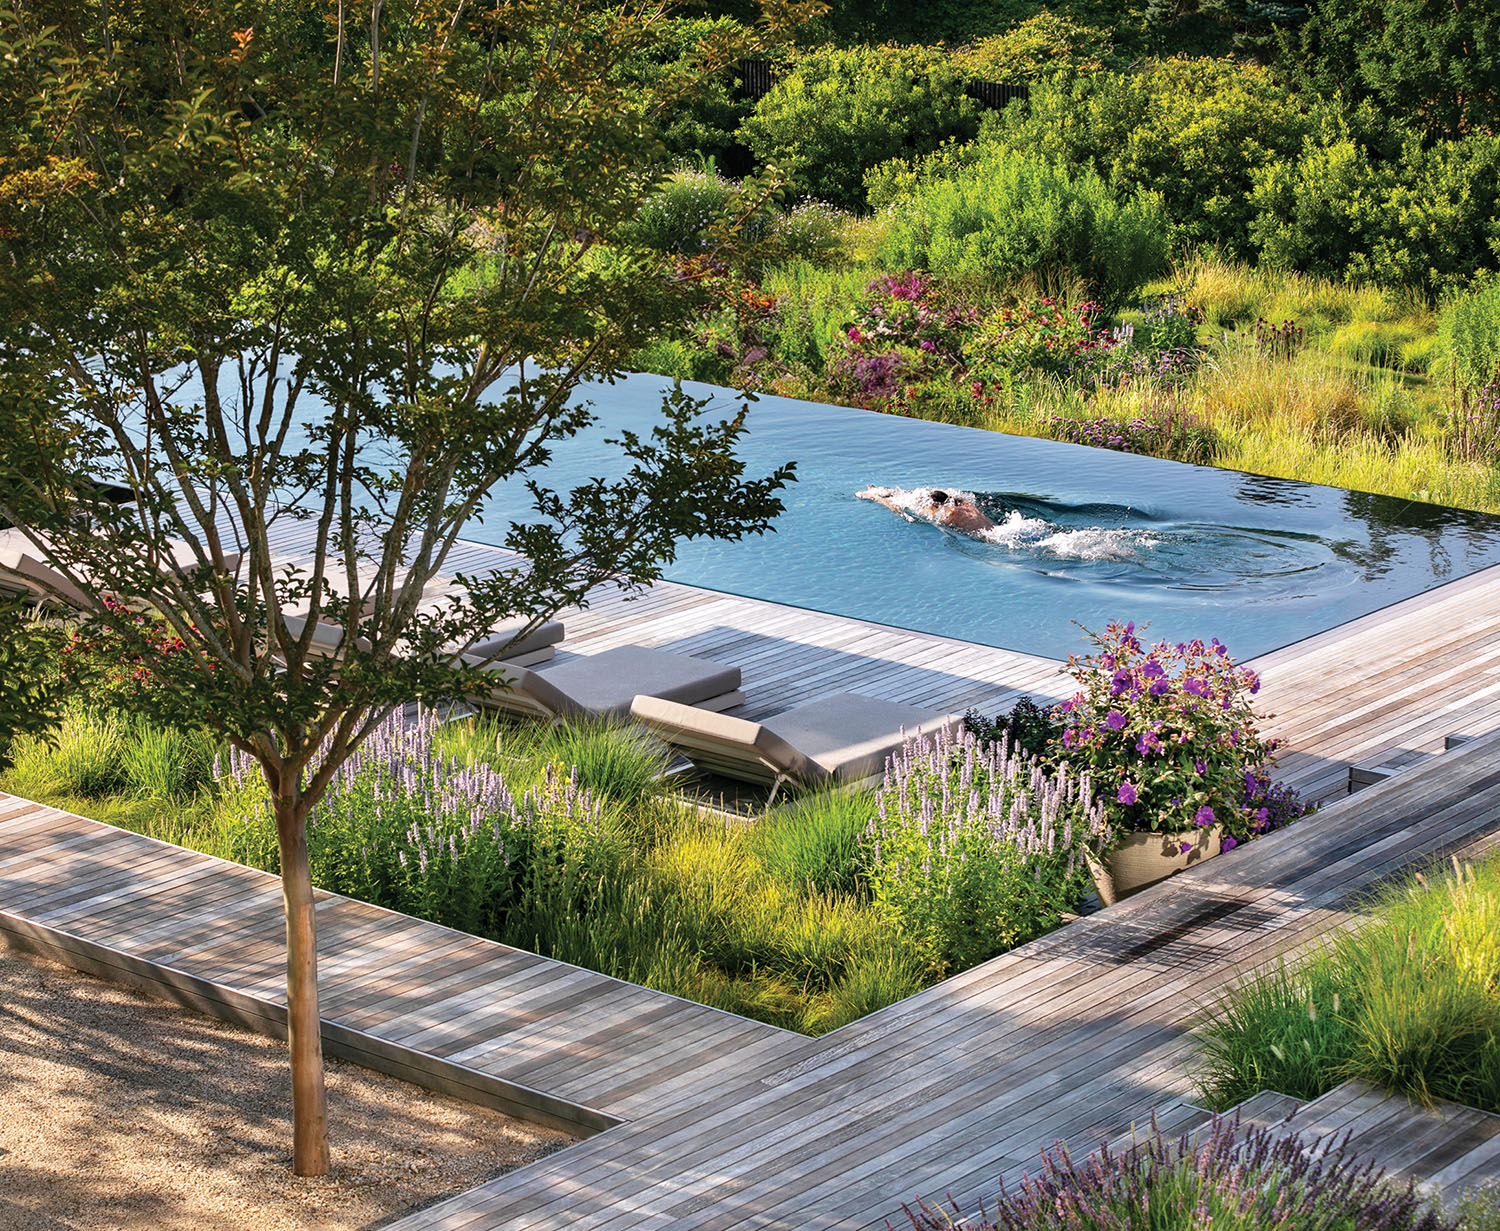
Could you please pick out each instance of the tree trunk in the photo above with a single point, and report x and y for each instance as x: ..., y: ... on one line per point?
x: 304, y: 1030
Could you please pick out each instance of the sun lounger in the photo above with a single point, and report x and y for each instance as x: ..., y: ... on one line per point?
x: 537, y: 646
x: 844, y: 738
x: 23, y: 571
x: 604, y: 685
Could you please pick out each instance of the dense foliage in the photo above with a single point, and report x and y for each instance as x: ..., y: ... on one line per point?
x: 1011, y: 216
x: 839, y: 111
x: 1409, y: 1000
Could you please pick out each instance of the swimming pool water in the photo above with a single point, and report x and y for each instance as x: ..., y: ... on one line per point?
x: 1084, y: 535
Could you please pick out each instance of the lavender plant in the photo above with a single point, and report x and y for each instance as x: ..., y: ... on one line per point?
x: 977, y: 848
x: 405, y: 826
x: 1233, y: 1178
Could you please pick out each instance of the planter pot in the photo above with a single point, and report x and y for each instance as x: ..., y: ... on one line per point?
x: 1146, y: 857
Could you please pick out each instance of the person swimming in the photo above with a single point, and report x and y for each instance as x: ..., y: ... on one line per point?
x: 954, y: 510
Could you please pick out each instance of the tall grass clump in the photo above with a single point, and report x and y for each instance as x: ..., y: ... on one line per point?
x: 1232, y: 1179
x: 975, y: 848
x: 815, y: 840
x: 1409, y: 1001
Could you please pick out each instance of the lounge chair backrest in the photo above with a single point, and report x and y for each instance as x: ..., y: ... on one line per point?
x: 721, y: 743
x: 527, y: 692
x: 30, y: 574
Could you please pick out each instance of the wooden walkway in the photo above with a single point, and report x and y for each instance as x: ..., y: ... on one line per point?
x: 718, y: 1122
x: 1075, y: 1036
x: 538, y: 1038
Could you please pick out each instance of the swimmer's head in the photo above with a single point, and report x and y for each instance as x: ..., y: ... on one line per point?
x: 939, y: 497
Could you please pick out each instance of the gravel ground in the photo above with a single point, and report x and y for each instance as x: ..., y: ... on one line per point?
x: 121, y: 1113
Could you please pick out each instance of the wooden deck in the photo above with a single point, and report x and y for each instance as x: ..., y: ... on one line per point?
x: 720, y: 1123
x: 538, y: 1038
x: 1075, y: 1036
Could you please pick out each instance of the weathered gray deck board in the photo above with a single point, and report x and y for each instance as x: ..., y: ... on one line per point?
x: 155, y: 914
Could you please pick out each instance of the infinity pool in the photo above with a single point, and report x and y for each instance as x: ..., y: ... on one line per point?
x: 1083, y: 535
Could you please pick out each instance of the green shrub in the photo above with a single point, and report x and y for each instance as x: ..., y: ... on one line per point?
x: 1037, y: 49
x: 32, y: 687
x: 682, y: 210
x: 1469, y: 327
x: 1425, y: 218
x: 839, y: 111
x: 1193, y: 132
x: 1015, y: 216
x: 1407, y: 1001
x: 813, y: 305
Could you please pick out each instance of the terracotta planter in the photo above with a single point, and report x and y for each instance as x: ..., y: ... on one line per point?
x: 1146, y: 857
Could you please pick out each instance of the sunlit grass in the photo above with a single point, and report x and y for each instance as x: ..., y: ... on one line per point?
x: 1410, y: 1000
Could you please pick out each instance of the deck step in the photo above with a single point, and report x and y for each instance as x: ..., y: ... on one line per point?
x: 1446, y: 1148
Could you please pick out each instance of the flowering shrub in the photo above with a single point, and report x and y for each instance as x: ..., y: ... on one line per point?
x: 1169, y: 737
x: 1037, y: 337
x: 116, y: 674
x: 406, y: 827
x: 900, y: 336
x: 975, y: 848
x: 1233, y: 1178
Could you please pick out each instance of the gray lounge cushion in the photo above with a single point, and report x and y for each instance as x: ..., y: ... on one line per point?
x: 721, y: 743
x: 24, y: 569
x: 502, y: 636
x: 845, y: 737
x: 851, y: 735
x: 604, y: 685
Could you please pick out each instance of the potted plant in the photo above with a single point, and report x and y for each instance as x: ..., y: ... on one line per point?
x: 1170, y: 740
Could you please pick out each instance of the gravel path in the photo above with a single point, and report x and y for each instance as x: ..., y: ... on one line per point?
x: 121, y: 1113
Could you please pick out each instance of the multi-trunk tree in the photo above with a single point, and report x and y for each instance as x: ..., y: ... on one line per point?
x: 301, y: 272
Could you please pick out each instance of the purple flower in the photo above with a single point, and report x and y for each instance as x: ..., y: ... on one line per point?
x: 1229, y: 843
x: 1153, y: 670
x: 1196, y: 687
x: 1115, y: 720
x: 1161, y: 688
x: 1200, y: 766
x: 1148, y: 743
x: 1204, y: 817
x: 1184, y: 847
x: 1127, y: 794
x: 1121, y: 682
